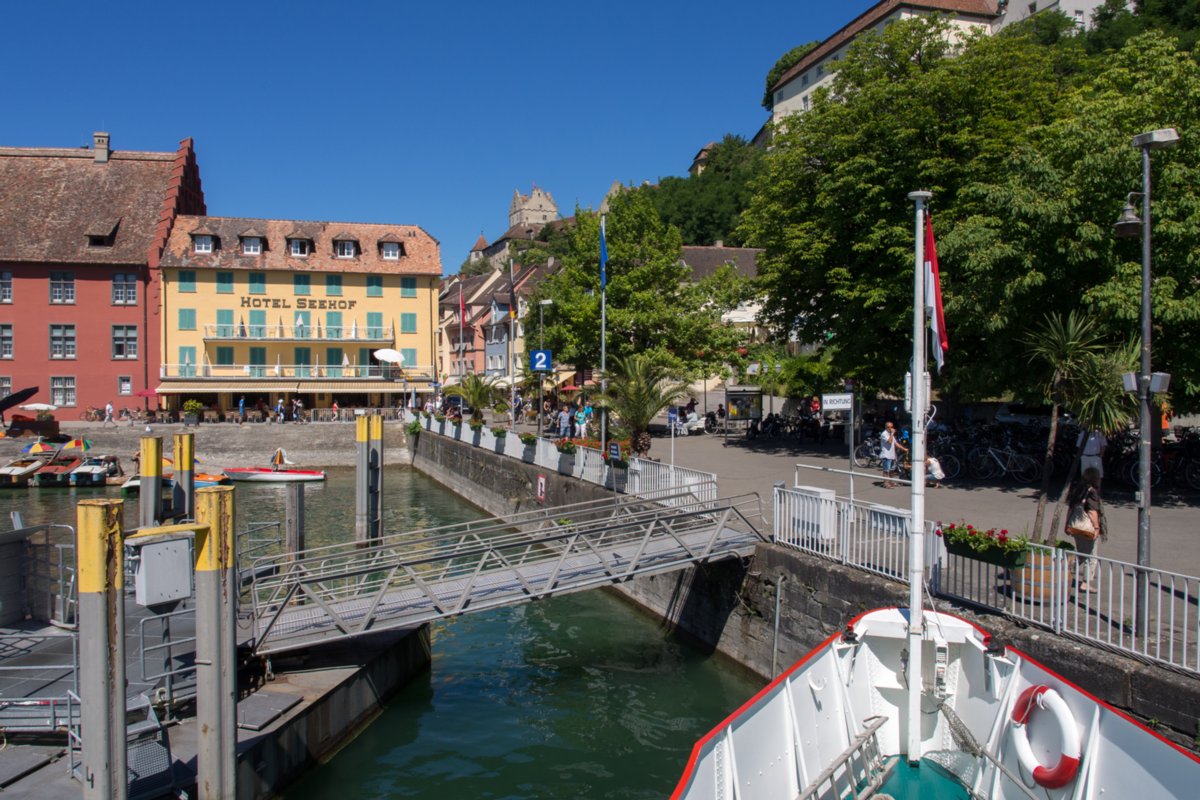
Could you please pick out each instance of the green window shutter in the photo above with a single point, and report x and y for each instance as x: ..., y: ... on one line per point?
x: 408, y: 323
x: 333, y: 324
x: 224, y: 356
x: 224, y: 322
x: 408, y: 287
x: 301, y: 283
x: 258, y: 283
x: 410, y: 356
x: 374, y: 286
x: 224, y: 283
x: 258, y: 324
x: 187, y: 280
x: 364, y: 362
x: 303, y: 325
x: 187, y: 362
x: 303, y: 360
x: 333, y: 285
x: 187, y: 319
x: 374, y: 325
x: 333, y: 362
x: 258, y: 362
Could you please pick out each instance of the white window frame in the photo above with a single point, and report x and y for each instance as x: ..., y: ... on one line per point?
x: 62, y: 288
x: 6, y: 341
x: 124, y: 384
x: 130, y: 353
x: 67, y: 339
x: 252, y: 246
x: 298, y: 248
x: 60, y: 385
x: 345, y: 248
x: 202, y: 244
x: 5, y: 386
x: 124, y: 289
x: 5, y: 287
x: 390, y: 251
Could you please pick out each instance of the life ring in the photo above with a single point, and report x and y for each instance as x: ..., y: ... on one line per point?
x: 1067, y: 768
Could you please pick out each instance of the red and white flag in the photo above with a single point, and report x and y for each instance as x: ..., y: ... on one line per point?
x: 933, y: 298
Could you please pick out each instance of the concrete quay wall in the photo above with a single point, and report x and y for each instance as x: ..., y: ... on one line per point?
x: 730, y: 607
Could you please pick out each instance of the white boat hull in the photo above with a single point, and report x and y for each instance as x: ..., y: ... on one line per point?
x: 262, y: 475
x: 783, y: 742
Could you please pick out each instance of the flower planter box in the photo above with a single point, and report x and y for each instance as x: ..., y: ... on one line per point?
x: 1035, y: 580
x: 566, y: 463
x: 990, y: 556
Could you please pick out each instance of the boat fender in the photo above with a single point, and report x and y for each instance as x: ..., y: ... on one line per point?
x: 1067, y: 768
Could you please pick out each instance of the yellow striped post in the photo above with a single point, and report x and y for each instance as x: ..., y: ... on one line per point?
x: 362, y: 437
x: 375, y: 478
x: 100, y: 571
x: 216, y: 644
x: 183, y: 494
x: 150, y: 470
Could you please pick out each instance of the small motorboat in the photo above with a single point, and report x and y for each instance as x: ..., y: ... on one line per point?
x: 95, y: 471
x: 276, y: 473
x: 133, y: 485
x: 57, y: 471
x: 18, y: 471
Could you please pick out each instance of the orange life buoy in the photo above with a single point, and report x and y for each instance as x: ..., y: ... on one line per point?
x: 1067, y: 768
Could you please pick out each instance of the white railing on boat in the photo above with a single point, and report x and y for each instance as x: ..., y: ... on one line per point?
x: 1160, y: 621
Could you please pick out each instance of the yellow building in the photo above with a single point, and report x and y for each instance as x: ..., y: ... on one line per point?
x: 269, y: 309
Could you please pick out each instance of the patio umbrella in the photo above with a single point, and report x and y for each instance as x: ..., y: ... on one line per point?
x: 278, y: 366
x: 146, y: 393
x: 38, y: 447
x: 39, y: 407
x: 389, y: 355
x: 569, y: 388
x: 16, y: 398
x: 78, y: 443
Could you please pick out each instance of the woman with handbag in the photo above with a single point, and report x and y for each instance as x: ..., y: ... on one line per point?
x: 1085, y: 524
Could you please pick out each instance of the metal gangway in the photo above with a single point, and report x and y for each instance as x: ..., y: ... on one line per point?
x: 411, y: 578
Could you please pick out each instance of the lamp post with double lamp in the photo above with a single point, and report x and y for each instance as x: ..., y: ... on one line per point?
x: 542, y: 346
x: 1129, y: 225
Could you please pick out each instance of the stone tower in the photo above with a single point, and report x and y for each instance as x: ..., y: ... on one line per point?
x: 535, y: 209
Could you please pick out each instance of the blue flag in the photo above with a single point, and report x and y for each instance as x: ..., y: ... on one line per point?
x: 603, y: 257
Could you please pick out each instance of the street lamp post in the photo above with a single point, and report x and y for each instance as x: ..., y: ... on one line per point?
x: 1128, y: 226
x: 549, y: 301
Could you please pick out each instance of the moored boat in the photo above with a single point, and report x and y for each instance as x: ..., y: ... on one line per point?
x: 270, y: 475
x: 95, y: 471
x: 18, y: 471
x: 56, y: 471
x: 993, y: 723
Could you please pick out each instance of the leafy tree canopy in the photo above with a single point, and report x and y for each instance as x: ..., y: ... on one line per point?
x: 653, y: 305
x: 786, y: 61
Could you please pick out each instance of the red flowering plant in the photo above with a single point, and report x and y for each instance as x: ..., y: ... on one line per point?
x: 991, y: 540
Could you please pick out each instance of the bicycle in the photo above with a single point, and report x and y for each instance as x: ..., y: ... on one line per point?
x: 92, y: 414
x: 984, y: 463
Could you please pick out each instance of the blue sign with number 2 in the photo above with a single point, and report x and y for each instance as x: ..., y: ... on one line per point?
x: 540, y: 361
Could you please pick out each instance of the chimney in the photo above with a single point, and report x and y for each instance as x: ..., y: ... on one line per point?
x: 100, y: 143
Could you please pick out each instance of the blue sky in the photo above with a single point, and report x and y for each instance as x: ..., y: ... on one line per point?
x: 403, y: 112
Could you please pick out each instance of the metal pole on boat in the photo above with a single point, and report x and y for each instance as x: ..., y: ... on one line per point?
x: 100, y: 570
x: 183, y: 493
x: 216, y: 644
x: 916, y: 541
x: 150, y: 481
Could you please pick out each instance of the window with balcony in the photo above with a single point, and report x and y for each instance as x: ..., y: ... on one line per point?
x: 333, y: 285
x: 303, y: 361
x: 258, y: 362
x: 408, y: 287
x: 251, y: 246
x: 62, y: 341
x: 62, y: 390
x: 298, y: 248
x: 258, y: 324
x: 333, y: 324
x: 303, y: 325
x: 225, y: 327
x: 333, y: 361
x: 125, y: 384
x: 408, y: 323
x: 124, y: 341
x: 5, y: 287
x: 124, y: 289
x: 202, y: 244
x: 6, y: 341
x: 187, y: 280
x: 187, y: 319
x: 302, y: 284
x: 345, y: 248
x: 224, y: 356
x: 258, y: 282
x: 374, y: 325
x: 62, y: 287
x: 391, y: 251
x: 374, y: 286
x: 410, y: 356
x: 224, y: 283
x: 187, y: 362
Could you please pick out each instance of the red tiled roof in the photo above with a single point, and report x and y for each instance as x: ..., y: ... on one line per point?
x: 984, y: 9
x: 52, y: 199
x: 480, y: 244
x: 420, y: 254
x: 704, y: 261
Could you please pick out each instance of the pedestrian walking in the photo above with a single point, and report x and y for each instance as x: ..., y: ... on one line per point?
x: 242, y: 410
x: 108, y: 415
x: 889, y: 443
x: 1086, y: 496
x: 564, y: 423
x: 1094, y: 443
x: 279, y: 411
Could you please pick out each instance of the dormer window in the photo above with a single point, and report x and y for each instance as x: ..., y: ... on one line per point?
x: 102, y: 232
x: 202, y: 243
x: 345, y: 248
x: 390, y: 250
x: 251, y: 246
x: 298, y: 248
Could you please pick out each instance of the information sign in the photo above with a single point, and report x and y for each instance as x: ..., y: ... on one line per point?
x: 541, y: 361
x: 614, y: 451
x: 837, y: 402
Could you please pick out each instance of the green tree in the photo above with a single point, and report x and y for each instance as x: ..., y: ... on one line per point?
x: 481, y: 266
x: 478, y: 392
x: 786, y: 61
x: 653, y: 306
x: 640, y: 386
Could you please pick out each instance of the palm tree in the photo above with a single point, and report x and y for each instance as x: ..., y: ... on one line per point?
x: 478, y: 392
x: 639, y: 387
x: 1062, y: 347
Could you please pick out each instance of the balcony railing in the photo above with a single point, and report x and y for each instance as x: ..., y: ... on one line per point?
x: 227, y: 372
x: 297, y: 333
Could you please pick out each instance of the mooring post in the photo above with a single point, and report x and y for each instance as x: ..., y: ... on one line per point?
x: 216, y: 644
x: 150, y: 481
x: 294, y: 520
x: 183, y: 494
x: 375, y: 462
x: 362, y: 429
x: 100, y: 570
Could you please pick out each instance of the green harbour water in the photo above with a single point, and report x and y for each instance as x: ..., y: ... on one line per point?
x: 581, y: 696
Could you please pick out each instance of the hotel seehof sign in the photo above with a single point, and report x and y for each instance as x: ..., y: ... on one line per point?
x: 314, y: 303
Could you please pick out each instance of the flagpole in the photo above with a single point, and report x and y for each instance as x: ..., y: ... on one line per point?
x: 603, y: 336
x: 916, y: 556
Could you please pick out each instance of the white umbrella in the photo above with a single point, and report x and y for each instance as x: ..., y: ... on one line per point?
x: 39, y: 407
x: 345, y: 360
x: 278, y: 367
x: 354, y: 329
x: 389, y: 355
